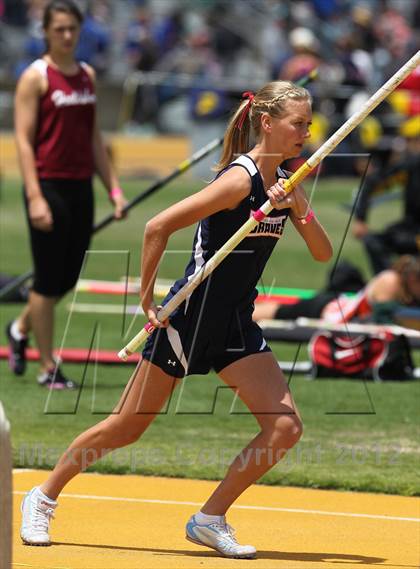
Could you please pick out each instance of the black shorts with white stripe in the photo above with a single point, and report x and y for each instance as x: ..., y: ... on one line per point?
x: 192, y: 346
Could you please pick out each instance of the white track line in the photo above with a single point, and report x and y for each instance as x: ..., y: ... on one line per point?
x: 239, y: 507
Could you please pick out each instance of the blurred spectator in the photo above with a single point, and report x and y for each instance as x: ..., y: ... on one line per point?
x: 168, y: 31
x: 325, y: 8
x: 304, y: 57
x: 95, y: 36
x: 196, y: 57
x: 34, y: 45
x: 351, y: 71
x: 274, y: 42
x: 362, y: 27
x: 143, y: 54
x: 141, y: 47
x: 13, y: 12
x: 402, y: 236
x: 225, y: 42
x: 356, y: 58
x: 392, y: 29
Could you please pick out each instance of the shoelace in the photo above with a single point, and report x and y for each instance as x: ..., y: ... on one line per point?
x: 42, y: 518
x: 226, y: 531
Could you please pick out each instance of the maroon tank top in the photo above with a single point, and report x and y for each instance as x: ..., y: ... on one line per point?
x: 64, y: 135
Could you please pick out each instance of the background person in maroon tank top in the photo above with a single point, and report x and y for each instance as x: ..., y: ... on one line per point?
x: 60, y: 148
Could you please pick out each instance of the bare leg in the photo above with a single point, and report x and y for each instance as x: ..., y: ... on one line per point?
x: 145, y: 394
x: 265, y: 310
x: 38, y: 315
x: 261, y: 385
x: 24, y: 321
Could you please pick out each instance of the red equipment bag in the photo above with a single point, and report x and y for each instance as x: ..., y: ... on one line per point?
x: 381, y: 356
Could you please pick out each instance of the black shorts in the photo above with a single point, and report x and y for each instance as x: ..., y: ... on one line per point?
x: 58, y: 255
x: 193, y: 345
x: 309, y: 307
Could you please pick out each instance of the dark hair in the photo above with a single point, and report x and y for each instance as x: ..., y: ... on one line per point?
x: 407, y: 266
x: 67, y: 6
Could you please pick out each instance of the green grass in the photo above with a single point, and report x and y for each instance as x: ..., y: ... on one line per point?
x: 358, y: 436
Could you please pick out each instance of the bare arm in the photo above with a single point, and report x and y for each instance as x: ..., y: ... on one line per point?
x: 315, y: 238
x: 384, y: 287
x: 224, y: 193
x: 313, y: 233
x: 28, y: 92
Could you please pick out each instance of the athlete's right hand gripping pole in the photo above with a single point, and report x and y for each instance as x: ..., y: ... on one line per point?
x: 265, y: 209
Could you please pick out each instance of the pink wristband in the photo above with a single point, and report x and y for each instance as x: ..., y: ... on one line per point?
x: 149, y: 328
x: 115, y: 192
x: 308, y: 218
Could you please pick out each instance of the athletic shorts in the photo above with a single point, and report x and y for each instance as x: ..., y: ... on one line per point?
x: 58, y: 255
x: 193, y: 345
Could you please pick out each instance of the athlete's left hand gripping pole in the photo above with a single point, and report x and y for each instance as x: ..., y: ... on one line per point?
x: 265, y: 209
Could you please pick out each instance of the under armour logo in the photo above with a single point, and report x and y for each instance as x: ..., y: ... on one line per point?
x: 170, y: 362
x: 252, y: 199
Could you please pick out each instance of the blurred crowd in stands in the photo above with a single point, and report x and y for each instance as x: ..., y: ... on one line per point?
x: 229, y: 46
x: 357, y: 41
x: 194, y: 58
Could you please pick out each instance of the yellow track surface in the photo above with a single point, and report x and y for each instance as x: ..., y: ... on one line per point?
x: 134, y: 522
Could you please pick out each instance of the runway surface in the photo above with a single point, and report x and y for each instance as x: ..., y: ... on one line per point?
x: 135, y: 522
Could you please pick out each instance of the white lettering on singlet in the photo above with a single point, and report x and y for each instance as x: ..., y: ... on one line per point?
x: 61, y: 99
x: 269, y: 227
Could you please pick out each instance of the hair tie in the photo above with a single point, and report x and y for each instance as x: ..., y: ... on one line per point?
x: 250, y: 96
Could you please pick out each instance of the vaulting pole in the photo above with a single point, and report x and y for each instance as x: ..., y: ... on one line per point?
x: 265, y: 209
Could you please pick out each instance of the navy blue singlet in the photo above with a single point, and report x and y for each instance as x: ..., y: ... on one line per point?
x: 214, y: 326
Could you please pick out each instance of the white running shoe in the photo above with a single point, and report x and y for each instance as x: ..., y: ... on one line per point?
x: 37, y: 512
x: 219, y: 536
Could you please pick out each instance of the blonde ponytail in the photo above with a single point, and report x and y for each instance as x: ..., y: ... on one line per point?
x: 236, y: 140
x: 270, y: 99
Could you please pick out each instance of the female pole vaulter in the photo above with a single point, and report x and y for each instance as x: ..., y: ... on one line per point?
x: 213, y: 327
